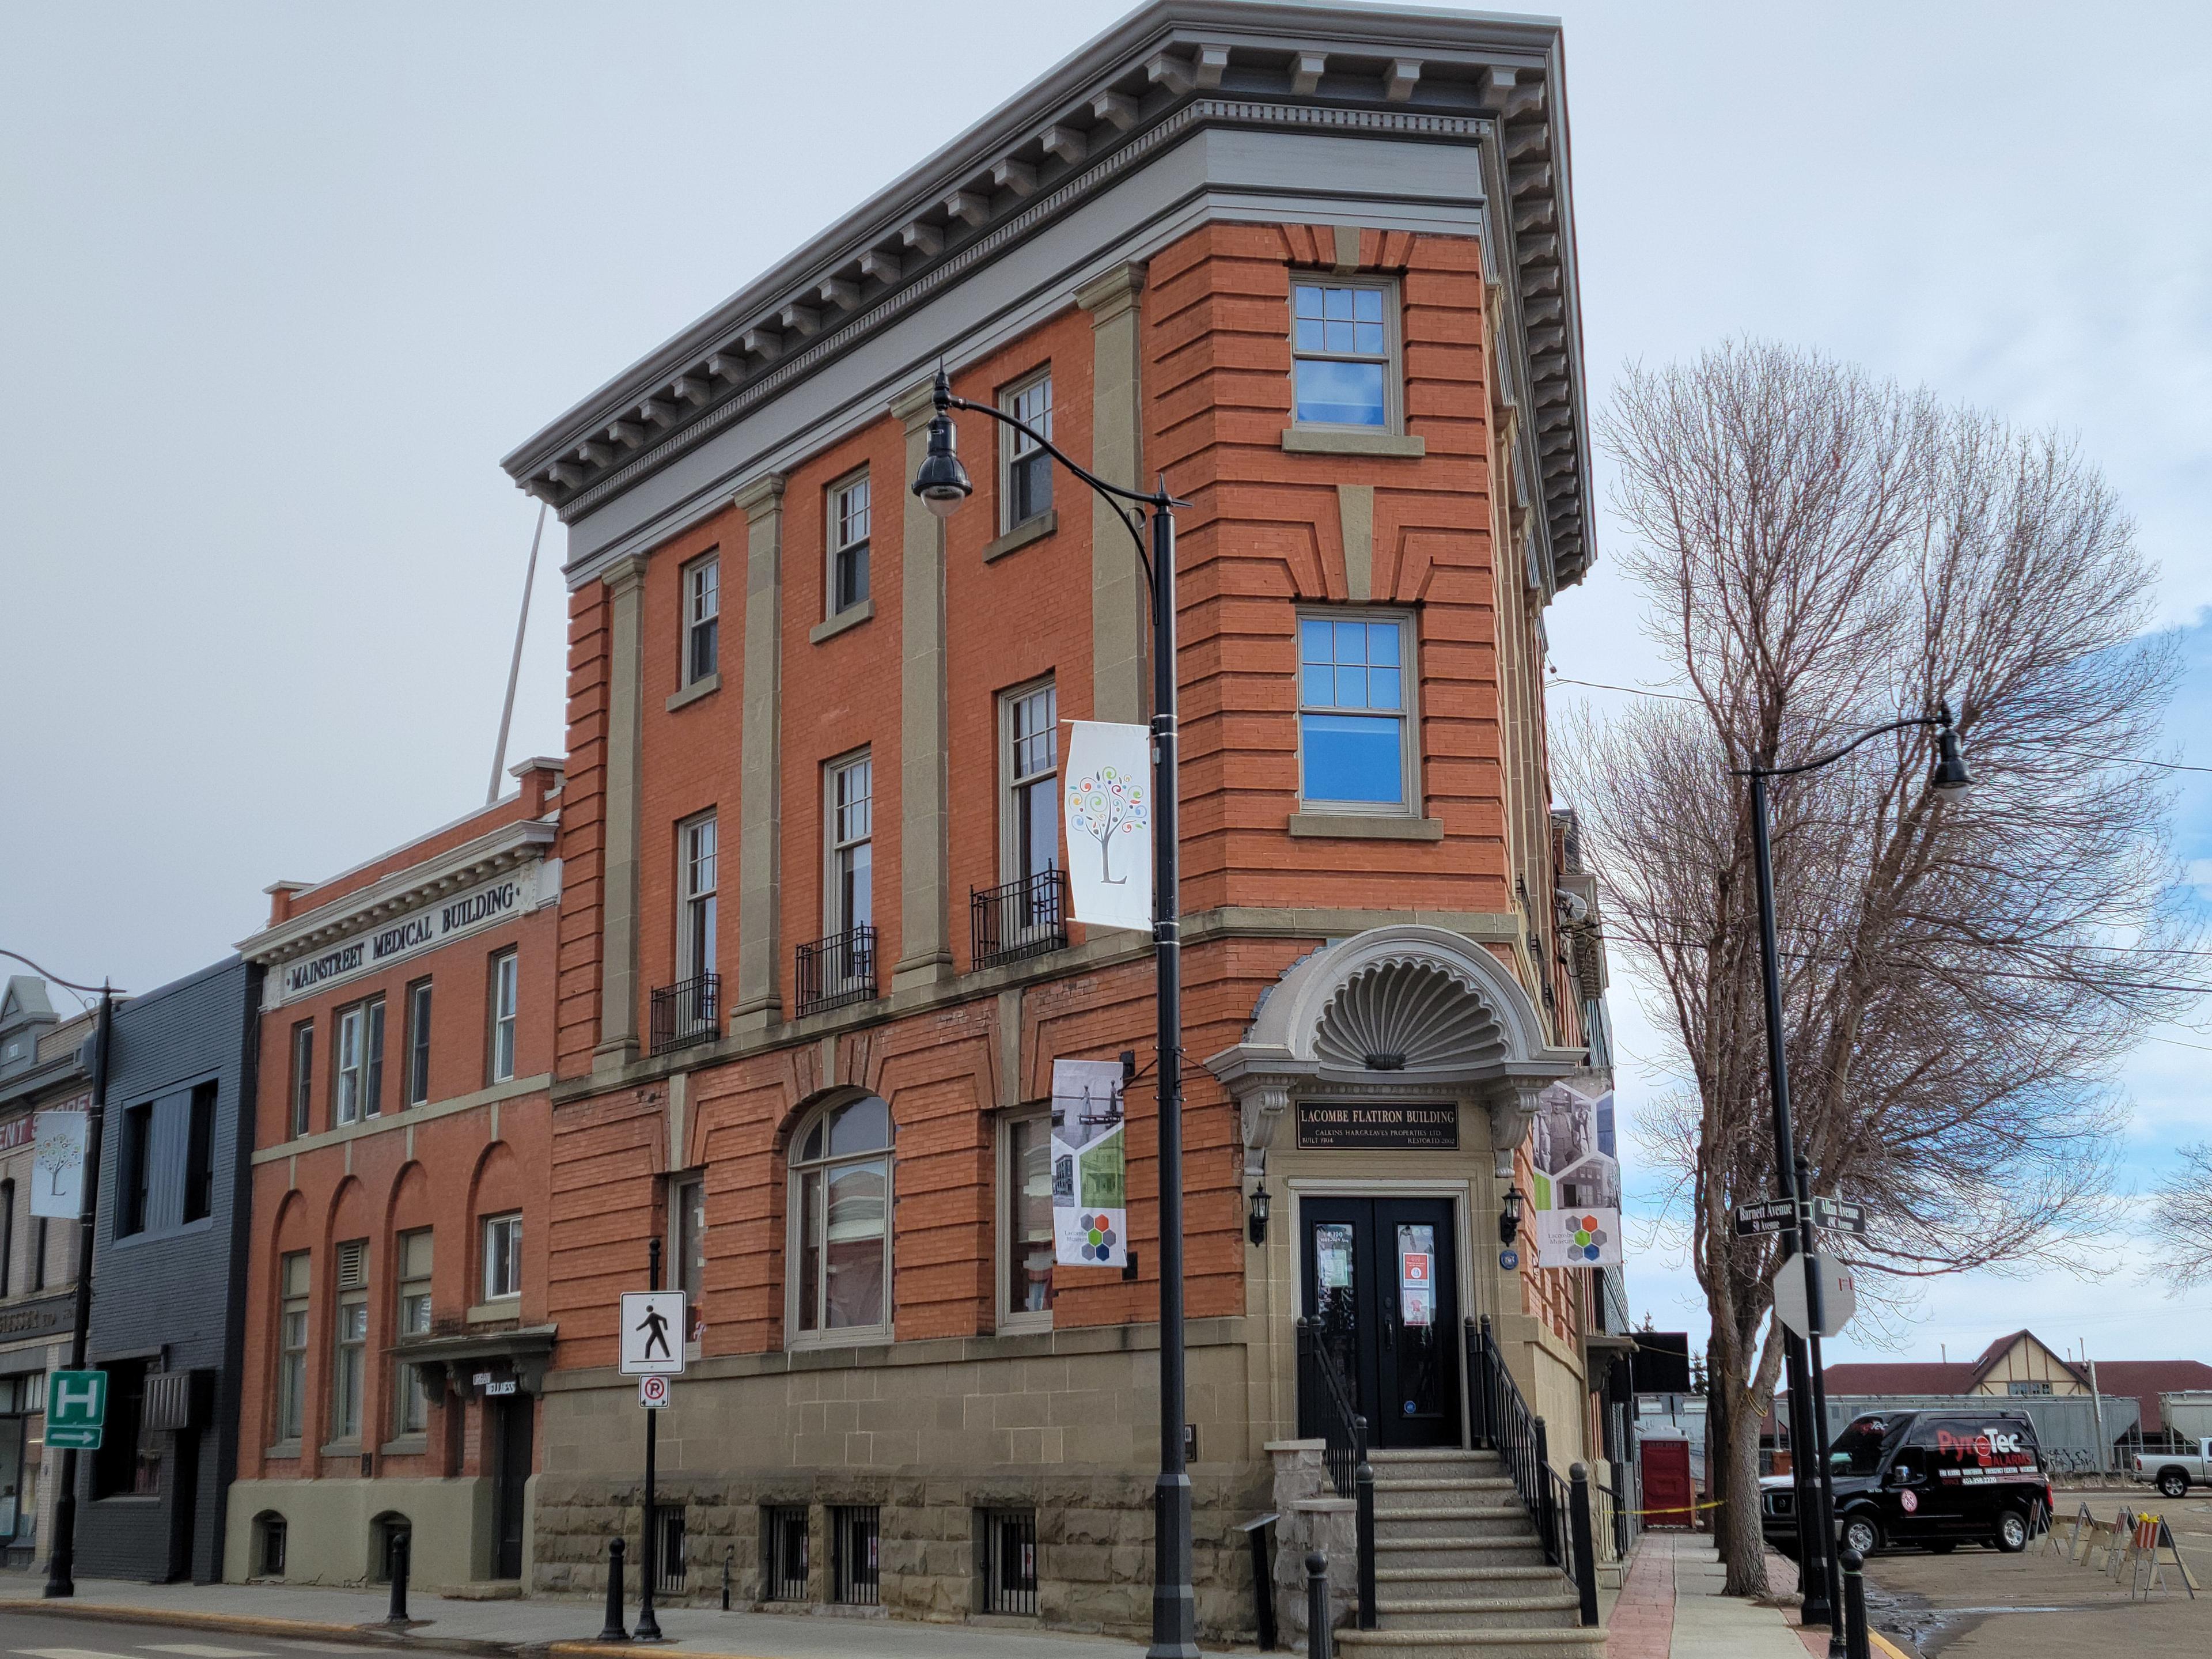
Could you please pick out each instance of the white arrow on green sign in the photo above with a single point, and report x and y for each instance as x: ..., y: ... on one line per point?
x: 76, y: 1409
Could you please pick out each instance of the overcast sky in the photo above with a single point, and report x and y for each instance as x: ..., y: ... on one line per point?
x: 283, y: 282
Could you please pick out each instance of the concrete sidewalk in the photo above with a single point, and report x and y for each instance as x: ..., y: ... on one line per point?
x: 1670, y: 1606
x: 565, y: 1625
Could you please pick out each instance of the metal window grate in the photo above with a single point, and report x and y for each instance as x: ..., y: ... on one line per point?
x: 686, y: 1012
x: 1021, y: 919
x: 1010, y: 1575
x: 668, y: 1553
x: 852, y: 1534
x: 783, y: 1553
x: 838, y: 970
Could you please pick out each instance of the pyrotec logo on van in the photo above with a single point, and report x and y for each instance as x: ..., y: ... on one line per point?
x: 1990, y: 1448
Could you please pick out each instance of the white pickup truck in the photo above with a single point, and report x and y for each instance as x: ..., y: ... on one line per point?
x: 2174, y: 1473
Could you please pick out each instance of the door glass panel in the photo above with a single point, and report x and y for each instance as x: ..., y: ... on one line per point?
x: 1336, y: 1301
x: 1420, y: 1393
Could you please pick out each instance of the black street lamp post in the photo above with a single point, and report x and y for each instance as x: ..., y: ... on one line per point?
x: 1816, y: 1531
x: 943, y: 485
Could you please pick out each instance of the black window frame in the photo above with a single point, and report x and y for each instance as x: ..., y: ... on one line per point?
x: 199, y: 1152
x: 134, y: 1173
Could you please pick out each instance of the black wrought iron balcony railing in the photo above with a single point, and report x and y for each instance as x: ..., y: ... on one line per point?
x: 836, y: 971
x: 686, y: 1012
x: 1023, y: 918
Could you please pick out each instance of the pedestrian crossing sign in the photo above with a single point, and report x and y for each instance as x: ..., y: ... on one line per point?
x: 653, y: 1326
x: 76, y: 1409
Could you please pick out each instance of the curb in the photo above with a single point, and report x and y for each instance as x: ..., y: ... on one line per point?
x: 1882, y: 1645
x: 248, y: 1624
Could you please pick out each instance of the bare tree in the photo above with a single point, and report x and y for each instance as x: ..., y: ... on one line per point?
x: 1822, y: 553
x: 2188, y: 1260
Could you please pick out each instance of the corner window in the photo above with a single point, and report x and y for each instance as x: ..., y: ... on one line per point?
x: 1344, y: 367
x: 840, y: 1252
x: 848, y: 543
x: 349, y: 1370
x: 505, y: 994
x: 1024, y: 469
x: 1355, y: 747
x: 199, y: 1154
x: 412, y: 1252
x: 303, y: 1075
x: 696, y: 840
x: 849, y: 898
x: 1030, y: 728
x: 418, y: 1043
x: 1026, y: 1247
x: 702, y: 618
x: 360, y: 1060
x: 502, y: 1256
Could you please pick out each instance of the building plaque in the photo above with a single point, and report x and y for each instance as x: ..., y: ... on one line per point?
x: 1328, y: 1127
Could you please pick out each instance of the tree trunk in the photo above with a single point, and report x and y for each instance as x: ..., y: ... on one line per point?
x: 1736, y: 1530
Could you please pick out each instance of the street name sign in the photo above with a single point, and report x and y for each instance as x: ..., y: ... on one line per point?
x: 1775, y: 1215
x: 76, y: 1409
x: 653, y: 1326
x: 1838, y: 1301
x: 1840, y: 1215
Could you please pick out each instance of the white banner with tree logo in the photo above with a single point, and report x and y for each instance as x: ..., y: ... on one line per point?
x: 1090, y: 1165
x: 57, y: 1182
x: 1107, y: 791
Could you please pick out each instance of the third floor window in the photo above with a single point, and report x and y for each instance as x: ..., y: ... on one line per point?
x: 1354, y: 732
x: 418, y: 1043
x: 702, y: 618
x: 1344, y: 357
x: 848, y: 543
x: 360, y: 1060
x: 1025, y: 470
x: 694, y: 943
x: 1030, y: 730
x: 850, y: 900
x: 506, y: 992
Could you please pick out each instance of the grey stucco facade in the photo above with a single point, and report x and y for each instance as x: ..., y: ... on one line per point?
x: 168, y: 1293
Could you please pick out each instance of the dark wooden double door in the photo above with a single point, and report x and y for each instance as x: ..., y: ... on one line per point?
x: 1382, y: 1288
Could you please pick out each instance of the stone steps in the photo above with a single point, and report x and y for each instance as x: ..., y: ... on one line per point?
x: 1508, y: 1550
x: 1433, y: 1521
x: 1524, y: 1644
x: 1559, y: 1609
x: 1452, y: 1573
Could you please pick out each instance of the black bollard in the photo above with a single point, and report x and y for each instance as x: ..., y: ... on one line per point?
x: 1321, y: 1636
x: 1855, y: 1643
x: 396, y: 1552
x: 613, y: 1630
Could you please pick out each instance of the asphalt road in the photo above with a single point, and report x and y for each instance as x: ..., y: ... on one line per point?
x: 62, y: 1635
x: 1977, y: 1604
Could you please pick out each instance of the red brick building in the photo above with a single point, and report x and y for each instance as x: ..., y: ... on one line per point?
x: 398, y: 1328
x: 1316, y: 268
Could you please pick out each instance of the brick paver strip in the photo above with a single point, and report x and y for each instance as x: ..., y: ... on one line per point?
x: 1643, y: 1625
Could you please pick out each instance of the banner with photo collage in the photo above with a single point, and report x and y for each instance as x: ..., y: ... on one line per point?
x: 1577, y: 1180
x: 1090, y: 1165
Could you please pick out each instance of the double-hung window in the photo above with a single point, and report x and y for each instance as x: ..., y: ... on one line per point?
x: 695, y: 855
x: 360, y: 1060
x: 1026, y: 1234
x: 349, y: 1375
x: 1030, y: 730
x: 841, y: 1209
x: 413, y: 1401
x: 1344, y: 367
x: 1024, y: 468
x: 292, y: 1275
x: 702, y: 618
x: 687, y: 1243
x: 418, y: 1043
x: 851, y: 890
x: 506, y: 969
x: 1355, y: 725
x: 303, y: 1075
x: 848, y: 543
x: 502, y: 1256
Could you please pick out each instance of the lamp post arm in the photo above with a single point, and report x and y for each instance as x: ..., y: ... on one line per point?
x: 1158, y: 499
x: 1814, y: 765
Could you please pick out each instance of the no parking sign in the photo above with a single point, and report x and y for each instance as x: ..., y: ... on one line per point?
x: 653, y: 1392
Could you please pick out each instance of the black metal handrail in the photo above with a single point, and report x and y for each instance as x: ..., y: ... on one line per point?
x: 688, y: 1012
x: 1559, y: 1507
x: 1019, y: 919
x: 1324, y: 1404
x: 838, y: 970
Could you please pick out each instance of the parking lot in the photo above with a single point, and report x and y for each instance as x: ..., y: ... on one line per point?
x: 1979, y: 1602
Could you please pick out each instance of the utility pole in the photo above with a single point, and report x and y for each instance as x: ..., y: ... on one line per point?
x: 648, y: 1554
x: 61, y: 1557
x: 2097, y: 1406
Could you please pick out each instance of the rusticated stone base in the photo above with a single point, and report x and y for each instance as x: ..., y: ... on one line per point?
x: 1094, y: 1540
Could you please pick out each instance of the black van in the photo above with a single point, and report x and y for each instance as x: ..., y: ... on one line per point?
x: 1936, y: 1479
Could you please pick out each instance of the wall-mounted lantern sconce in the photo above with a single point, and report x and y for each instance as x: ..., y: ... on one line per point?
x: 1509, y: 1220
x: 1255, y: 1221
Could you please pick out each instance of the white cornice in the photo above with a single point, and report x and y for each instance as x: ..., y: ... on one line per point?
x: 1158, y: 75
x: 503, y: 849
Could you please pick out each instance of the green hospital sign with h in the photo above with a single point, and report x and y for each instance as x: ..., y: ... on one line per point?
x: 76, y: 1409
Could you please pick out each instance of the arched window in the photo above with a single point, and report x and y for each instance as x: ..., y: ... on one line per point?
x: 841, y: 1188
